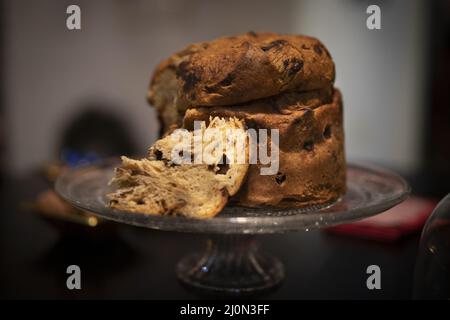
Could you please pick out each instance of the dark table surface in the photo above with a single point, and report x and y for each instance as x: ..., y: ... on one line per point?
x: 137, y: 263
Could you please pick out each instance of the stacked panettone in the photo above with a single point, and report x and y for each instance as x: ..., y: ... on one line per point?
x: 269, y: 81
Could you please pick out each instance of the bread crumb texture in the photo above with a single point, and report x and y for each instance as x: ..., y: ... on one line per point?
x: 157, y: 185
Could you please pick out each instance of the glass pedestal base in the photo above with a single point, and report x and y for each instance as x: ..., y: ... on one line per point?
x: 231, y: 265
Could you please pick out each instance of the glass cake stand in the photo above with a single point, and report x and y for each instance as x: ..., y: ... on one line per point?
x: 232, y: 262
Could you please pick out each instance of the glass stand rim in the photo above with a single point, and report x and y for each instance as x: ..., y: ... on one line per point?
x: 370, y: 190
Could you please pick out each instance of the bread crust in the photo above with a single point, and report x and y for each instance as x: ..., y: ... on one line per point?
x: 312, y: 168
x: 237, y: 69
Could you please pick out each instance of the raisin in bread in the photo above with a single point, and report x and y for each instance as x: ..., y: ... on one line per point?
x: 161, y: 185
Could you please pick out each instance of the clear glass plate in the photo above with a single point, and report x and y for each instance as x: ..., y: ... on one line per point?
x: 370, y: 190
x: 232, y: 262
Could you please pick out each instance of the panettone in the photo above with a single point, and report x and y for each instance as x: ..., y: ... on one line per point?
x: 311, y: 147
x: 158, y: 185
x: 238, y: 69
x: 270, y: 81
x: 257, y: 81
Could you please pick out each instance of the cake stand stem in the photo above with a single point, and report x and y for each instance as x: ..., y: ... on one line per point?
x: 230, y: 264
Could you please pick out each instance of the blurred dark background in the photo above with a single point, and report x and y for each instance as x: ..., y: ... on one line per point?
x: 67, y: 95
x: 435, y: 166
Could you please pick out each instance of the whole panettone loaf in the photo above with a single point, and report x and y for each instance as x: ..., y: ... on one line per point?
x: 312, y: 166
x: 270, y: 81
x: 238, y: 69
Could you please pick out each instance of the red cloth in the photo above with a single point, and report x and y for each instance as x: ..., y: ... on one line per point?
x: 401, y: 220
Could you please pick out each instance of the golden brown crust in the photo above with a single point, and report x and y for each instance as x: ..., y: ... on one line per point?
x: 246, y: 67
x: 312, y: 162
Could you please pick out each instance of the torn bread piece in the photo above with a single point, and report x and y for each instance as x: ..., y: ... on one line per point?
x: 162, y: 184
